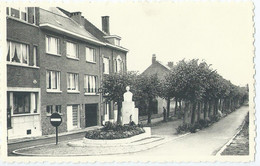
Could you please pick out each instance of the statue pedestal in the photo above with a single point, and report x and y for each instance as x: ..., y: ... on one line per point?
x: 127, y: 111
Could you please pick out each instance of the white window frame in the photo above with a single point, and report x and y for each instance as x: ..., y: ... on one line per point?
x: 51, y: 74
x: 33, y: 102
x: 90, y: 82
x: 20, y: 51
x: 73, y: 82
x: 35, y: 51
x: 90, y: 54
x: 119, y: 64
x: 69, y: 50
x: 53, y: 50
x: 21, y: 10
x: 106, y: 65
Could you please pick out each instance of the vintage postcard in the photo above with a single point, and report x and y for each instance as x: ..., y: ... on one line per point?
x: 168, y: 81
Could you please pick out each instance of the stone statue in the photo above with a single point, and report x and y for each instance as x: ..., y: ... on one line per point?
x: 129, y: 112
x: 128, y: 95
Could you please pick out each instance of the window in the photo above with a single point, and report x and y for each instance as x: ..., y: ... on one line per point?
x: 17, y: 53
x: 53, y: 80
x: 34, y: 56
x: 72, y: 50
x: 21, y: 102
x: 117, y: 42
x: 58, y: 109
x: 51, y: 108
x: 106, y: 65
x: 119, y: 64
x: 52, y: 45
x: 73, y: 82
x: 90, y: 84
x: 90, y: 55
x: 20, y: 13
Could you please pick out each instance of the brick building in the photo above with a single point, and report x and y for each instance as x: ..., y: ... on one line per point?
x: 59, y: 68
x: 161, y: 70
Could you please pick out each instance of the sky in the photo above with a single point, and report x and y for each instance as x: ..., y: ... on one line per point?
x: 220, y: 33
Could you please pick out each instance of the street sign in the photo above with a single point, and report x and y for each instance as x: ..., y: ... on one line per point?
x: 56, y: 121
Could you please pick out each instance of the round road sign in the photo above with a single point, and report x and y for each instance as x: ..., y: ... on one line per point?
x: 55, y: 119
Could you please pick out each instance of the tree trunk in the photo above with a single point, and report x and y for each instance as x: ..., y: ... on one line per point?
x: 180, y: 109
x: 186, y: 106
x: 193, y: 112
x: 205, y: 109
x: 210, y: 108
x: 149, y: 112
x: 119, y: 112
x: 199, y: 108
x: 168, y: 107
x: 176, y: 107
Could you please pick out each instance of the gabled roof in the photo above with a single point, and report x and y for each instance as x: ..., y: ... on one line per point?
x: 52, y: 20
x: 91, y: 28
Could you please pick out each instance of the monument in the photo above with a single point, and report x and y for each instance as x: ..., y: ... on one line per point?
x: 129, y: 112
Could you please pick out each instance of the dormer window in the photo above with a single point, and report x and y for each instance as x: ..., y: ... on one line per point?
x: 117, y: 42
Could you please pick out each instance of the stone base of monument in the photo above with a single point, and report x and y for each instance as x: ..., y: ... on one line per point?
x: 116, y: 146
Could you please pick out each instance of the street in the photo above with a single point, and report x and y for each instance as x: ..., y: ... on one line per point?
x: 205, y: 142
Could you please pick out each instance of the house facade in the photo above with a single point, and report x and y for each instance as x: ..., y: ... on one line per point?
x: 23, y: 72
x: 161, y: 71
x: 63, y: 72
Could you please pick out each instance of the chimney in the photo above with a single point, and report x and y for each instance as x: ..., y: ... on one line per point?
x: 170, y: 64
x: 105, y: 24
x: 76, y: 16
x: 153, y: 59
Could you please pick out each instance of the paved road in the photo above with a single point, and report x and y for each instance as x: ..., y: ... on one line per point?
x: 205, y: 142
x: 14, y: 146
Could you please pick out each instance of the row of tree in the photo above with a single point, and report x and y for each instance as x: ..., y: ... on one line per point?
x: 191, y: 83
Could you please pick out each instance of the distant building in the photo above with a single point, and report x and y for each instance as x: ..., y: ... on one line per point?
x: 161, y: 70
x: 55, y: 63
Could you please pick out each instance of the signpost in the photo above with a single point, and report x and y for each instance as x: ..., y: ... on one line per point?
x: 56, y: 121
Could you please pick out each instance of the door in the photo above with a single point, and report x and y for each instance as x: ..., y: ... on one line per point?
x: 91, y: 114
x: 72, y: 117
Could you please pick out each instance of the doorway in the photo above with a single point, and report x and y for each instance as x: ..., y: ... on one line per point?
x: 91, y: 114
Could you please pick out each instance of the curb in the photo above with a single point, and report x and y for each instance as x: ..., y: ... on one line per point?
x: 231, y: 140
x: 141, y: 147
x: 51, y: 136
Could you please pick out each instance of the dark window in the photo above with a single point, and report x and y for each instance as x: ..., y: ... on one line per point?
x: 58, y: 108
x: 49, y: 109
x: 21, y: 102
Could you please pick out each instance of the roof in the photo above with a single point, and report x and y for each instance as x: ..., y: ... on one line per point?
x: 167, y: 67
x: 91, y: 28
x: 53, y: 20
x: 157, y: 68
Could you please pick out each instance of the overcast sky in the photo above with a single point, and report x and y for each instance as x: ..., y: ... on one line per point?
x: 219, y: 33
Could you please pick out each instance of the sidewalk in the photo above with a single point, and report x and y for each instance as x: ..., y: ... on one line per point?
x: 27, y: 139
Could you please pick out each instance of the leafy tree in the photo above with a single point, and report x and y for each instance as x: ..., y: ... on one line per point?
x: 146, y: 89
x: 114, y: 87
